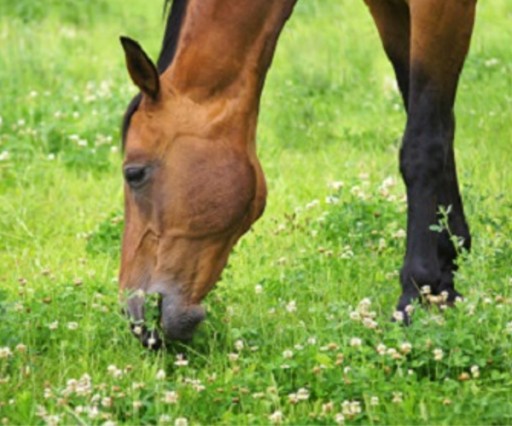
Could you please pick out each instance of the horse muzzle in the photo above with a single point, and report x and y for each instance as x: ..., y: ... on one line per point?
x: 177, y: 321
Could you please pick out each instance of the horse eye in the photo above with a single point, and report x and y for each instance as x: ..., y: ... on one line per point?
x: 136, y: 176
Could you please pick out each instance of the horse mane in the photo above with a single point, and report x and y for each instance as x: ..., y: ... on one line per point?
x: 170, y: 41
x: 172, y: 32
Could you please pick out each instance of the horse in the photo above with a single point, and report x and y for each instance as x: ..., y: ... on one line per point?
x: 194, y: 184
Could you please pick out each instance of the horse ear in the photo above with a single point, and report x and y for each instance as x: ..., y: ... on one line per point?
x: 141, y: 69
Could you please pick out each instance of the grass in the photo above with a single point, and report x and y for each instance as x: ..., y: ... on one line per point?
x: 298, y: 329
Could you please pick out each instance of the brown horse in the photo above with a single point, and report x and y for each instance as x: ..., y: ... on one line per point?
x: 194, y: 184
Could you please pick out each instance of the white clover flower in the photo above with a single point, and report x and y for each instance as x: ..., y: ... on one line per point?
x: 358, y: 192
x: 425, y: 290
x: 364, y: 305
x: 170, y: 397
x: 291, y: 306
x: 398, y: 316
x: 355, y: 316
x: 351, y: 408
x: 327, y: 407
x: 198, y: 386
x: 151, y: 341
x: 114, y: 371
x: 292, y: 398
x: 47, y: 393
x: 258, y: 289
x: 180, y: 361
x: 106, y: 401
x: 355, y: 406
x: 164, y: 418
x: 20, y: 347
x: 140, y: 293
x: 339, y: 418
x: 405, y: 348
x: 5, y: 352
x: 287, y: 354
x: 356, y: 342
x: 336, y: 185
x: 438, y: 354
x: 374, y: 401
x: 400, y: 234
x: 4, y: 155
x: 53, y: 325
x: 388, y: 182
x: 52, y: 420
x: 444, y: 296
x: 160, y: 374
x: 181, y: 421
x: 239, y: 345
x: 276, y: 417
x: 381, y: 349
x: 233, y: 357
x: 475, y: 371
x: 369, y: 323
x: 312, y: 339
x: 397, y: 398
x: 92, y: 412
x: 72, y: 325
x: 302, y: 394
x: 393, y: 353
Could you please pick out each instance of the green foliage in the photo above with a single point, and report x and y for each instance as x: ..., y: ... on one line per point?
x: 106, y: 238
x: 67, y: 11
x: 298, y: 329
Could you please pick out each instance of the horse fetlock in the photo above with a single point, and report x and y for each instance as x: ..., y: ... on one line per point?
x: 419, y: 278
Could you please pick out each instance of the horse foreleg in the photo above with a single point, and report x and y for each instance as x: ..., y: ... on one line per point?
x: 440, y: 36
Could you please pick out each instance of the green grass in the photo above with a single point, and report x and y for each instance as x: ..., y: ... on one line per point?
x: 282, y: 318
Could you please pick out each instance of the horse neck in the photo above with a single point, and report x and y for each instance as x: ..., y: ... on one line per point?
x: 225, y: 49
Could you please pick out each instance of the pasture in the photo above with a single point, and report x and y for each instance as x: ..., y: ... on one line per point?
x: 298, y: 331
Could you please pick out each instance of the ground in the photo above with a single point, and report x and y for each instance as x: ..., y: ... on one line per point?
x: 298, y: 329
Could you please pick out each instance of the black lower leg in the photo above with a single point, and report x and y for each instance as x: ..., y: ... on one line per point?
x: 456, y: 237
x: 421, y: 162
